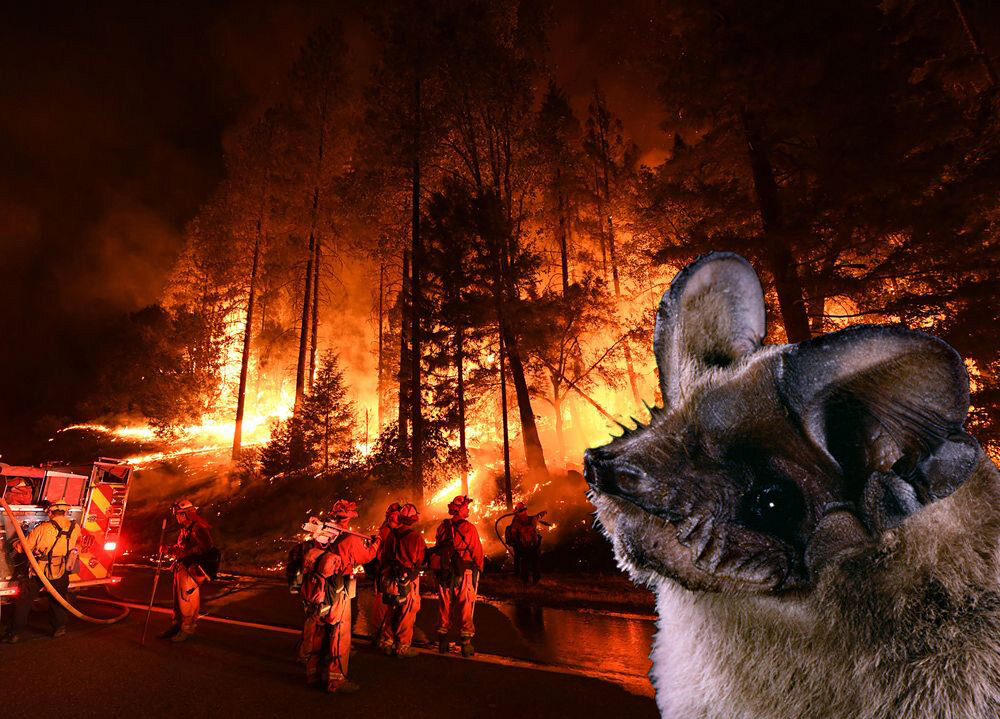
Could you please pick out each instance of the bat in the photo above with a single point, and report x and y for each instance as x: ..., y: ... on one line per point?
x: 819, y: 528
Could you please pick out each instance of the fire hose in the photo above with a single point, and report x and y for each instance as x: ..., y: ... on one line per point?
x: 496, y: 529
x: 39, y: 572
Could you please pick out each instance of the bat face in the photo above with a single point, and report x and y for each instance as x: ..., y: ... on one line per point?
x: 767, y: 462
x: 721, y: 494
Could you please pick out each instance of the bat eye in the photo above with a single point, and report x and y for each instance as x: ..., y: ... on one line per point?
x: 774, y: 507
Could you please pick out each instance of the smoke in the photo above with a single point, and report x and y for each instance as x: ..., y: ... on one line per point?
x: 347, y: 326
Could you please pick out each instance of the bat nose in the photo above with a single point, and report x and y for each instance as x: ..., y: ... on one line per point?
x: 598, y: 471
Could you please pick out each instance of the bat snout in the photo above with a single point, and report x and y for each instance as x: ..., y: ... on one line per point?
x: 598, y: 470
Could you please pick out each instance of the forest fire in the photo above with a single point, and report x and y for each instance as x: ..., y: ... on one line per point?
x: 498, y: 281
x: 404, y: 295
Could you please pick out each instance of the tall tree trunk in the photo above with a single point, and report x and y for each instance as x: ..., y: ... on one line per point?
x: 300, y: 374
x: 245, y: 361
x: 380, y: 385
x: 403, y: 417
x: 533, y: 453
x: 557, y: 409
x: 605, y: 180
x: 503, y: 289
x: 508, y: 493
x: 563, y: 253
x: 779, y: 255
x: 326, y: 441
x: 315, y: 316
x: 416, y: 307
x: 629, y: 366
x: 600, y: 233
x: 459, y: 366
x: 974, y: 42
x: 817, y: 303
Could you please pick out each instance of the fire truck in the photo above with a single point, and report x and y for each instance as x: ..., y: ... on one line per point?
x: 97, y: 503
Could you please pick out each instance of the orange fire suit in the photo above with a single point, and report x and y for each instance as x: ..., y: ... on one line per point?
x: 195, y: 538
x: 379, y: 608
x: 457, y: 584
x: 403, y: 554
x: 526, y: 542
x: 326, y: 634
x: 310, y: 551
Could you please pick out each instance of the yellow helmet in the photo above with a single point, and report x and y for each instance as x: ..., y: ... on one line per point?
x: 59, y: 505
x: 184, y: 505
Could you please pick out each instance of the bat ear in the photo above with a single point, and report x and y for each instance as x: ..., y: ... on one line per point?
x: 887, y: 404
x: 712, y: 315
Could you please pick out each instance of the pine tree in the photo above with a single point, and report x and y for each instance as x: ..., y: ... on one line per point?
x: 328, y: 415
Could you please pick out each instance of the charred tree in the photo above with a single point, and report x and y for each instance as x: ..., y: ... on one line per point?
x: 403, y: 415
x: 315, y: 316
x: 601, y: 146
x: 780, y: 261
x: 245, y: 359
x: 508, y: 493
x: 416, y: 306
x: 529, y: 429
x: 504, y: 292
x: 324, y: 73
x: 300, y: 374
x: 976, y: 44
x: 380, y: 360
x: 558, y: 411
x: 563, y: 249
x: 460, y: 391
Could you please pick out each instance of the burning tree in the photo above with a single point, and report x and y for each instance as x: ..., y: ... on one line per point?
x: 322, y: 428
x: 511, y: 248
x: 558, y: 328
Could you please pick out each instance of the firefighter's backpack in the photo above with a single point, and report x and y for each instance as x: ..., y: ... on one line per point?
x: 445, y: 559
x: 397, y: 581
x: 317, y: 591
x: 71, y: 560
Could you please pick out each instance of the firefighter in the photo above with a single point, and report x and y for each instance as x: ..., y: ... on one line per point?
x: 54, y: 545
x: 301, y: 561
x: 458, y: 562
x: 327, y: 590
x: 402, y: 556
x: 196, y: 561
x: 525, y: 540
x: 390, y: 523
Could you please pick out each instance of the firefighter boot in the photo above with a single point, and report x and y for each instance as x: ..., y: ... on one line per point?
x: 171, y: 631
x: 345, y: 687
x: 406, y: 653
x: 59, y: 632
x: 182, y: 636
x: 467, y: 649
x: 443, y: 645
x: 11, y: 638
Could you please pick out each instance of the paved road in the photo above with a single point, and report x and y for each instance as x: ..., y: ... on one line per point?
x: 600, y: 642
x: 229, y: 672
